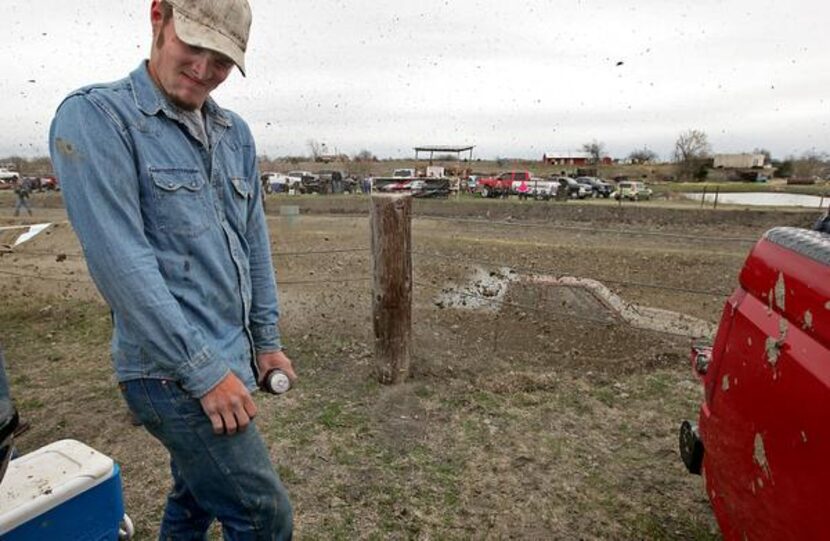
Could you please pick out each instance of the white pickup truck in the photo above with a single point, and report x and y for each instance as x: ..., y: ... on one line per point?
x: 7, y: 175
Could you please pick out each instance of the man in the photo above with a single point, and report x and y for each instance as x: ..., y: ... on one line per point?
x: 22, y: 192
x: 162, y: 188
x: 823, y: 223
x: 9, y: 420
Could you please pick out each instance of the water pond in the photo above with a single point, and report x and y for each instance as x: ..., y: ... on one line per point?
x: 765, y: 199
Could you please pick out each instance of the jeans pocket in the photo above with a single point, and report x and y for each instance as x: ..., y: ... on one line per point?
x: 137, y: 396
x: 184, y: 405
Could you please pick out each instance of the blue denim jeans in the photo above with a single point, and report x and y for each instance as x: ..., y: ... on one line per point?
x: 229, y: 478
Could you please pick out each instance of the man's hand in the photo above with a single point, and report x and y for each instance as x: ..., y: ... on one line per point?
x: 229, y: 406
x: 275, y: 359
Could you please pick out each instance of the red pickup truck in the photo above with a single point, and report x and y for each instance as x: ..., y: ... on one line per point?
x: 501, y: 185
x: 762, y: 441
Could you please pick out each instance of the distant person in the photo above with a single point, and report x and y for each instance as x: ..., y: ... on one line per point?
x: 823, y: 223
x: 163, y: 190
x: 523, y: 189
x: 23, y: 192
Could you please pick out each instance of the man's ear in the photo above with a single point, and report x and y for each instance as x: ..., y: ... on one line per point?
x: 156, y: 15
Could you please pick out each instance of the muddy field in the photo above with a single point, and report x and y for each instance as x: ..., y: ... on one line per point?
x: 535, y: 409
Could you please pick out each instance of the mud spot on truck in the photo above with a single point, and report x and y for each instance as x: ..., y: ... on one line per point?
x: 725, y: 383
x: 773, y: 349
x: 808, y: 320
x: 780, y: 291
x: 773, y: 345
x: 760, y: 456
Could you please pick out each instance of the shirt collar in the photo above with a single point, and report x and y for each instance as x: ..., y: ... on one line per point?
x: 150, y: 99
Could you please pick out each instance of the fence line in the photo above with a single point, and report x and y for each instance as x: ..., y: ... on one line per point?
x: 555, y: 314
x: 550, y: 227
x: 318, y: 252
x: 45, y: 277
x: 275, y: 254
x: 553, y: 272
x: 459, y: 259
x: 40, y: 276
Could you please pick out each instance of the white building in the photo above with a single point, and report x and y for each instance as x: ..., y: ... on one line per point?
x: 739, y: 161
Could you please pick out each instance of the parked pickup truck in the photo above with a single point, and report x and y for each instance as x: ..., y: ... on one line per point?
x: 762, y: 440
x: 503, y: 184
x: 8, y: 175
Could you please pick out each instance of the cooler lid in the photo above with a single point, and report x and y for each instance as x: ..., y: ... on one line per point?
x: 47, y: 477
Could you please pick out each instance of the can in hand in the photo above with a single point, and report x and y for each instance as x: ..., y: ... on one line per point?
x: 275, y: 382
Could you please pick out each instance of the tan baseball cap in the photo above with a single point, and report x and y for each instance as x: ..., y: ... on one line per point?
x: 218, y: 25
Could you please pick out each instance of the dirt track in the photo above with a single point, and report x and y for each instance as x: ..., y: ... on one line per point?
x: 542, y: 418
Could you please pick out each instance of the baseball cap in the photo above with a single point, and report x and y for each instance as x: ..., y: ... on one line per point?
x: 218, y: 25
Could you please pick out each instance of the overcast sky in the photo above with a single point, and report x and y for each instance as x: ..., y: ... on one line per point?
x: 513, y: 78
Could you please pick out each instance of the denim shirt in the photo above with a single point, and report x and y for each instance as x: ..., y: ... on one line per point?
x: 173, y: 232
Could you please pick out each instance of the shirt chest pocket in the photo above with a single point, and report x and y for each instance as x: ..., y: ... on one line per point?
x: 181, y: 201
x: 241, y: 194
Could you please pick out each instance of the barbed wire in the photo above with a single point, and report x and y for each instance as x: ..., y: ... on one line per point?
x: 275, y: 254
x: 42, y: 253
x: 542, y: 272
x: 39, y: 276
x: 323, y: 281
x: 549, y: 226
x: 500, y: 302
x: 319, y: 252
x: 459, y: 259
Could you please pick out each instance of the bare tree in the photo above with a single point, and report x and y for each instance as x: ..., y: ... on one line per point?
x: 362, y: 164
x: 812, y: 164
x: 642, y: 155
x: 364, y: 156
x: 691, y: 153
x: 595, y: 149
x: 314, y: 148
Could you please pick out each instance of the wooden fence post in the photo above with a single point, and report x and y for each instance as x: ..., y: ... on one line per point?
x: 391, y: 218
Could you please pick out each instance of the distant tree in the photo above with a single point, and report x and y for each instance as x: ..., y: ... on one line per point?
x: 595, y: 149
x: 810, y: 164
x: 314, y: 149
x: 37, y: 166
x: 365, y: 156
x: 691, y: 153
x: 500, y: 161
x: 784, y: 169
x: 642, y: 155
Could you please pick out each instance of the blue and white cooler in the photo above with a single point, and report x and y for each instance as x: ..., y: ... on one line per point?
x: 63, y: 491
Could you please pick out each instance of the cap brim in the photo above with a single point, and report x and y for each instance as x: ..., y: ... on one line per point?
x: 199, y: 35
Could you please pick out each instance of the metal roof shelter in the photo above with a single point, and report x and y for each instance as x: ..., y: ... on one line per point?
x: 444, y: 149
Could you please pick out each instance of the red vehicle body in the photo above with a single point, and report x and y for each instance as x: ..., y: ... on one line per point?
x: 763, y: 442
x: 502, y: 184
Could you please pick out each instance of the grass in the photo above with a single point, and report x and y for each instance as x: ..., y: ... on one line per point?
x: 552, y: 452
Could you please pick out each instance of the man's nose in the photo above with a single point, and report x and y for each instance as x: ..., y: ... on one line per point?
x: 201, y: 65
